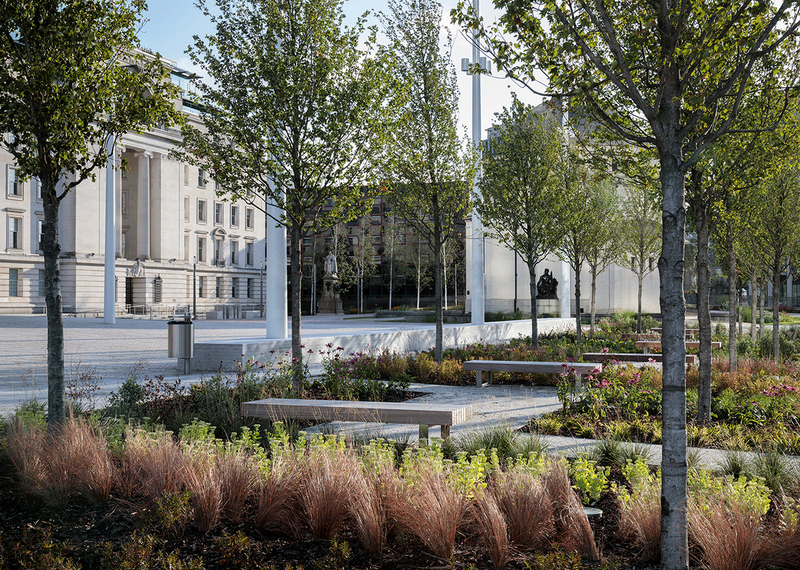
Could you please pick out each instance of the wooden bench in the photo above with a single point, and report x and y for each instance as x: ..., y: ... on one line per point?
x: 648, y: 344
x: 632, y: 357
x: 525, y: 367
x: 418, y: 413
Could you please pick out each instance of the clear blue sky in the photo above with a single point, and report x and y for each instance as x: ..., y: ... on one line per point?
x: 171, y: 24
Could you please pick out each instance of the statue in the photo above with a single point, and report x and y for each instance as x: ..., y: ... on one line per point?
x: 547, y: 287
x: 330, y: 264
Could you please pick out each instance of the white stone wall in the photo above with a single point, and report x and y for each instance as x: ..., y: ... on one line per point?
x: 616, y: 286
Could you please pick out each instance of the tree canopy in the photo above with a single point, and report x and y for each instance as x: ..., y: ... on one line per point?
x: 293, y: 116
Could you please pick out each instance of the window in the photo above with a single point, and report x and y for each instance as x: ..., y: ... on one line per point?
x: 14, y: 234
x: 234, y: 252
x: 235, y: 287
x: 36, y: 183
x: 14, y: 288
x: 123, y: 239
x: 186, y: 247
x: 123, y: 203
x: 218, y: 253
x: 218, y: 210
x: 201, y: 286
x: 249, y: 222
x: 41, y: 235
x: 42, y: 291
x: 217, y: 287
x: 234, y: 216
x: 248, y: 254
x: 375, y: 220
x: 201, y: 249
x: 201, y: 178
x: 186, y: 208
x: 185, y: 174
x: 201, y: 210
x: 250, y: 283
x: 14, y: 184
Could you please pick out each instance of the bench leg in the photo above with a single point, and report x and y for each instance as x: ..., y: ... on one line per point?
x: 423, y: 434
x: 478, y: 379
x: 445, y: 432
x: 488, y: 377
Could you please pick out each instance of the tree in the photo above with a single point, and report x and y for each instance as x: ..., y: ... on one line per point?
x: 779, y: 216
x: 293, y: 112
x: 603, y: 248
x: 640, y: 238
x: 393, y: 238
x: 72, y: 79
x: 663, y: 74
x: 362, y: 258
x: 521, y: 190
x: 583, y: 219
x: 414, y: 258
x: 428, y: 168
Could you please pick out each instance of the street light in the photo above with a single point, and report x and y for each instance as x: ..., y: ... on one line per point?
x: 194, y: 288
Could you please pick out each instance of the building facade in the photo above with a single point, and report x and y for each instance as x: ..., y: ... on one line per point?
x: 175, y: 239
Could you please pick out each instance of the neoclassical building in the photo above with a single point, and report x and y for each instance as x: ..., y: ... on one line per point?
x: 175, y: 238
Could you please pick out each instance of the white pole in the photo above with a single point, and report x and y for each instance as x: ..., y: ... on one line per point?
x: 477, y: 225
x: 276, y: 301
x: 109, y: 313
x: 566, y: 287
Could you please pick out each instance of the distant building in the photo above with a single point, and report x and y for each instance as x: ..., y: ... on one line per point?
x: 167, y: 215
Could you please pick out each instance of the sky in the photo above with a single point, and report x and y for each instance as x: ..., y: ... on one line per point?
x: 171, y: 24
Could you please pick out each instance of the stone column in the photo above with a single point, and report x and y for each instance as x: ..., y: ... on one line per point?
x: 143, y: 200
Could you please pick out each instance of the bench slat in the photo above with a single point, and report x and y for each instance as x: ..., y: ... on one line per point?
x: 349, y: 411
x: 529, y: 366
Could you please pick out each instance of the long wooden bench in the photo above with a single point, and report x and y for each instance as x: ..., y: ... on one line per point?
x: 633, y: 357
x: 648, y: 344
x: 418, y: 413
x: 524, y: 367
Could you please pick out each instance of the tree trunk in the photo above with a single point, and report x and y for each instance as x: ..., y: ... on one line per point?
x: 594, y: 294
x: 703, y: 309
x: 674, y: 535
x: 534, y: 311
x: 753, y: 309
x: 297, y: 276
x: 578, y: 300
x: 55, y: 319
x: 391, y: 278
x: 776, y: 298
x: 733, y: 303
x: 761, y: 302
x: 640, y: 275
x: 437, y: 262
x: 419, y: 273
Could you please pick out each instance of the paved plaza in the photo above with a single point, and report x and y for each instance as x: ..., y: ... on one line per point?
x: 111, y: 353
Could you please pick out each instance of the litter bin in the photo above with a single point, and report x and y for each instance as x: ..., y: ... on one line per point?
x: 180, y: 344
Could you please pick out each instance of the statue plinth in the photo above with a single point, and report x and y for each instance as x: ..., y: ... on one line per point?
x: 329, y: 301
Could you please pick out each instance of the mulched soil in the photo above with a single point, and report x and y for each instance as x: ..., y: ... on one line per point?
x: 82, y: 532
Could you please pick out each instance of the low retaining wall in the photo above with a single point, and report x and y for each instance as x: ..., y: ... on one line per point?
x: 225, y: 354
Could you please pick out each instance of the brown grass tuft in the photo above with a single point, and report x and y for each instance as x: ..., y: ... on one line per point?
x: 202, y: 481
x: 431, y: 509
x: 367, y: 511
x: 325, y: 495
x: 237, y: 475
x: 527, y: 508
x: 73, y: 459
x: 572, y: 527
x: 151, y: 466
x: 640, y: 519
x: 732, y: 536
x: 491, y: 525
x: 277, y: 497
